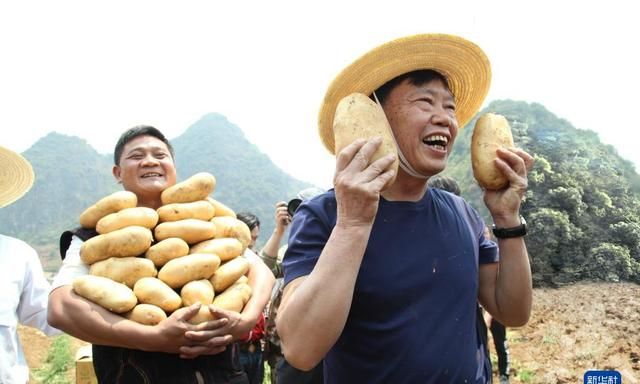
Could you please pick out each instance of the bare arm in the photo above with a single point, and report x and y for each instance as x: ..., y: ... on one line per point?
x: 314, y: 308
x: 506, y: 288
x: 282, y: 219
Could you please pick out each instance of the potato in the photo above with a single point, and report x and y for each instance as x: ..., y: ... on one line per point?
x: 190, y: 230
x: 113, y: 296
x: 197, y: 187
x: 140, y: 216
x: 357, y: 116
x: 204, y: 314
x: 151, y: 290
x: 234, y: 298
x: 126, y: 270
x: 201, y: 209
x: 490, y: 133
x: 228, y: 273
x: 178, y: 272
x: 226, y: 248
x: 226, y: 226
x: 147, y: 314
x: 197, y: 291
x: 109, y: 204
x: 167, y: 249
x: 125, y: 242
x: 221, y: 209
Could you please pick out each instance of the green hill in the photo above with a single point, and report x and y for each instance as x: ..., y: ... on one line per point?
x: 582, y: 205
x: 71, y: 175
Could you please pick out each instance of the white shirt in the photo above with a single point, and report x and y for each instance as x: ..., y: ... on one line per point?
x: 23, y: 299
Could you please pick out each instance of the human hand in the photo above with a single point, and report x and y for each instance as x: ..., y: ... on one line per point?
x: 504, y: 204
x: 358, y: 182
x: 211, y: 337
x: 282, y: 216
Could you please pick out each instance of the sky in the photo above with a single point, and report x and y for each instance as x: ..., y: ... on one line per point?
x: 93, y: 69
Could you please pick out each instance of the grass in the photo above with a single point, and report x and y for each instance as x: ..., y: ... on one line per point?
x: 58, y: 361
x: 525, y: 375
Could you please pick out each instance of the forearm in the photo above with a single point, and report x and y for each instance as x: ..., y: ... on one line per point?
x: 270, y: 249
x: 513, y: 293
x: 314, y: 309
x: 92, y: 323
x: 261, y: 281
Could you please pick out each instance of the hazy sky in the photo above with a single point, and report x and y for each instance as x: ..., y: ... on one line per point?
x: 95, y: 69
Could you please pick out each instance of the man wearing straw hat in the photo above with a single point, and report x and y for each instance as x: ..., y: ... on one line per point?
x: 383, y: 284
x: 23, y: 287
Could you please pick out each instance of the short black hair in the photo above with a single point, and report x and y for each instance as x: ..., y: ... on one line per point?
x: 419, y: 77
x: 248, y: 218
x: 137, y: 131
x: 446, y: 183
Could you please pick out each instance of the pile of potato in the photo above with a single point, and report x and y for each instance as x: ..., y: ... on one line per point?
x: 147, y: 263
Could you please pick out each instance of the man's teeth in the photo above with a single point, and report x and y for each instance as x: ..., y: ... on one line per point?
x: 151, y: 175
x: 437, y: 141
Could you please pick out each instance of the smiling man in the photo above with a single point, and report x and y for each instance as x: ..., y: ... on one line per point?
x: 383, y: 284
x: 173, y: 351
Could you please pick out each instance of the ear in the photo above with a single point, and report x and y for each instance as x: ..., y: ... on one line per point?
x: 116, y: 173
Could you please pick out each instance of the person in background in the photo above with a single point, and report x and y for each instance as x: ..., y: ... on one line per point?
x: 173, y: 351
x: 281, y: 371
x: 23, y: 287
x: 382, y: 284
x: 251, y: 344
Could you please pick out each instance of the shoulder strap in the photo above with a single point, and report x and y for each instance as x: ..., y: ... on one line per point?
x: 65, y: 239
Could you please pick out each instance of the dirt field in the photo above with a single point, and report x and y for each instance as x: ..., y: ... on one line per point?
x: 572, y: 329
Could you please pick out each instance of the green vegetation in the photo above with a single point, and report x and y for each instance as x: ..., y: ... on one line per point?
x: 582, y: 206
x: 58, y: 361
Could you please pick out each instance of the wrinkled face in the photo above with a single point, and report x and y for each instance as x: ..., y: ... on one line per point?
x: 255, y: 232
x: 146, y: 168
x: 424, y: 123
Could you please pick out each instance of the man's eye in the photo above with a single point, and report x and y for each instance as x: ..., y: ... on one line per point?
x: 451, y: 107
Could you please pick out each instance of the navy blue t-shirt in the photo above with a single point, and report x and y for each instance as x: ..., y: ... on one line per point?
x: 413, y: 315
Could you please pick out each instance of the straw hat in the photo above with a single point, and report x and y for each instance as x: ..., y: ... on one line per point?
x: 460, y: 61
x: 16, y: 176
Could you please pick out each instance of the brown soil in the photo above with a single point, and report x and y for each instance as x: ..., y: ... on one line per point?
x: 572, y: 329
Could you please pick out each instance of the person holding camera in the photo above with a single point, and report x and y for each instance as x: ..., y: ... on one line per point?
x: 281, y: 371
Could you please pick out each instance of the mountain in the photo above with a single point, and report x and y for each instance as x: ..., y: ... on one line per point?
x: 71, y: 175
x: 582, y: 205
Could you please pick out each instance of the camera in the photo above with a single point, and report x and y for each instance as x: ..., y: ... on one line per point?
x: 293, y: 205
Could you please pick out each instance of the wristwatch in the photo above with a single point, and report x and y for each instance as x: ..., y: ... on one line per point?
x: 517, y: 231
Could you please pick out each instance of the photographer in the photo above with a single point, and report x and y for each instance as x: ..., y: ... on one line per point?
x: 281, y: 371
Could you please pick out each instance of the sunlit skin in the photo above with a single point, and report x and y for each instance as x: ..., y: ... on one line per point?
x: 146, y: 168
x: 416, y: 113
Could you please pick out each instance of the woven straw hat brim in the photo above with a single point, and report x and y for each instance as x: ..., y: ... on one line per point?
x: 16, y: 176
x: 461, y: 62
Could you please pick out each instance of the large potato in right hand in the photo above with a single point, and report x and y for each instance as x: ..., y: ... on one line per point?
x: 490, y: 133
x: 357, y: 116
